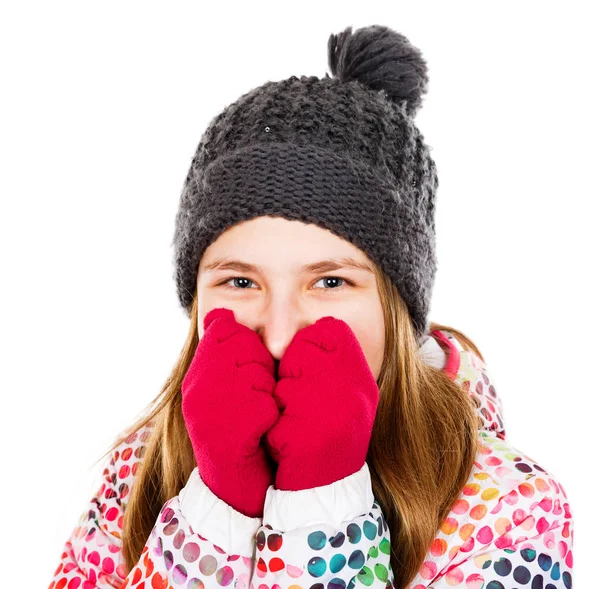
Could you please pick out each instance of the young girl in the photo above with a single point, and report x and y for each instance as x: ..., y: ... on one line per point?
x: 318, y: 430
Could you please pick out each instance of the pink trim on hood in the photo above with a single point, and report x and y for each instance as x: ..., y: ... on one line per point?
x: 453, y: 354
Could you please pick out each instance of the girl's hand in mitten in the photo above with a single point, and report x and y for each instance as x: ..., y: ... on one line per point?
x: 227, y: 406
x: 328, y: 398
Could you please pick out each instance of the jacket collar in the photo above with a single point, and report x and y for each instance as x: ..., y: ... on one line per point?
x: 443, y: 351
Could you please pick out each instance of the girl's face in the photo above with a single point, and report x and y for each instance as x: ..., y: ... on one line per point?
x: 265, y: 279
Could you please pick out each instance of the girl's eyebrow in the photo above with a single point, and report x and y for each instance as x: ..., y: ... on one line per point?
x: 326, y: 265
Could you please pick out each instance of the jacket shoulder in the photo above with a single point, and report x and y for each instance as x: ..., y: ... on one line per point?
x: 512, y: 511
x: 93, y: 550
x: 191, y: 523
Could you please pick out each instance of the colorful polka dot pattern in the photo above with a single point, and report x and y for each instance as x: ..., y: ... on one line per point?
x: 357, y: 554
x: 174, y: 554
x: 512, y: 526
x: 474, y: 376
x: 92, y: 555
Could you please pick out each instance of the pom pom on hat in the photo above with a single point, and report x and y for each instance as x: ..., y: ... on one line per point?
x: 383, y: 59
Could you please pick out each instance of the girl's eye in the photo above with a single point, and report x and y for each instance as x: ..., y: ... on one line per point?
x: 239, y: 278
x: 245, y: 281
x: 328, y: 280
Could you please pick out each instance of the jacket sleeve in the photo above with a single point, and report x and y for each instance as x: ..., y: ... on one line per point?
x: 329, y: 536
x: 197, y: 540
x: 538, y: 552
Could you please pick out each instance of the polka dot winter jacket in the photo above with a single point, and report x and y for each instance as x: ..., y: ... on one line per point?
x: 511, y: 526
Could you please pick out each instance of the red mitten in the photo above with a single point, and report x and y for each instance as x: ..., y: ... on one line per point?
x: 228, y: 406
x: 328, y: 398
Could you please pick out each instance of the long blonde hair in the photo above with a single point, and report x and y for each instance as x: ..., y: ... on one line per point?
x: 423, y: 444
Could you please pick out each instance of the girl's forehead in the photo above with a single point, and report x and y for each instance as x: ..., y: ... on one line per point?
x: 277, y: 244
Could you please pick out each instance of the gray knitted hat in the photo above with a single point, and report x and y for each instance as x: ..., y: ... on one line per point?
x: 341, y: 152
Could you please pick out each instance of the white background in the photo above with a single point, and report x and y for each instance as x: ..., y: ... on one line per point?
x: 103, y: 105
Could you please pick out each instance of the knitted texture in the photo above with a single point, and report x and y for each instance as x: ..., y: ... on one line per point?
x: 341, y: 152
